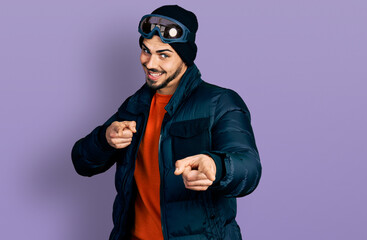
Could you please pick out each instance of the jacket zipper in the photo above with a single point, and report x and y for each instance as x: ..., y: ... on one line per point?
x: 135, y: 155
x: 161, y: 168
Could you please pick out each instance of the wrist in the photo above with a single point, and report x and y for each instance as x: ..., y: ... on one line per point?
x: 219, y: 174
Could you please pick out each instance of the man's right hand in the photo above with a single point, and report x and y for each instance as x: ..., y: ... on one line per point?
x: 120, y: 134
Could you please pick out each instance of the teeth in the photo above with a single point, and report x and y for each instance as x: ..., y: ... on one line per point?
x: 155, y: 74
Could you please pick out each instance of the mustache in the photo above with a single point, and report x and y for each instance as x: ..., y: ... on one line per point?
x: 153, y: 69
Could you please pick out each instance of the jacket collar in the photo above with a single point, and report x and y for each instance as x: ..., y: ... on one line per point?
x: 189, y: 81
x: 140, y: 101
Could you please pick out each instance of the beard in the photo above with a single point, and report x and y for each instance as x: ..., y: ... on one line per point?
x: 164, y: 84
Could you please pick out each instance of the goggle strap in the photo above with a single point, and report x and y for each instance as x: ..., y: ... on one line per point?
x: 191, y: 37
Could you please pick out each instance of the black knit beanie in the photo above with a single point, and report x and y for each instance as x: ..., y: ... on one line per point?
x: 187, y: 51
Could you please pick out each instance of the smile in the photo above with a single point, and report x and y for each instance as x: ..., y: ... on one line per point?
x: 154, y: 75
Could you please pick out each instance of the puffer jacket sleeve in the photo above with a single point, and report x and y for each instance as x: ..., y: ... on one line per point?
x: 233, y: 144
x: 92, y: 154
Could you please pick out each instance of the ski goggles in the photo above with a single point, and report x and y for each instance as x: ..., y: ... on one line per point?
x: 168, y: 29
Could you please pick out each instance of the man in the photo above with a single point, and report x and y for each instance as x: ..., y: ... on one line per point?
x: 184, y: 149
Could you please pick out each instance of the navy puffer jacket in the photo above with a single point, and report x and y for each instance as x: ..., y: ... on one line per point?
x: 200, y: 118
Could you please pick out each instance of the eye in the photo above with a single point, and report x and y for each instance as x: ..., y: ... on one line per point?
x: 146, y: 51
x: 164, y: 55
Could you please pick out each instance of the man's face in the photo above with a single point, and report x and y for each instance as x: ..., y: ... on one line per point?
x: 162, y: 65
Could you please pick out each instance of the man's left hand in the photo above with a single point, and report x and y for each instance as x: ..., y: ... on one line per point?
x: 198, y: 171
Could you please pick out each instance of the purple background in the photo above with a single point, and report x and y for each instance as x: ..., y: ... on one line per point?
x: 301, y: 67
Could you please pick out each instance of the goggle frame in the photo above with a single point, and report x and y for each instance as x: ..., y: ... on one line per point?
x: 186, y: 35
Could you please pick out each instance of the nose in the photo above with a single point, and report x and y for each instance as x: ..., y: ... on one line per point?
x: 152, y: 62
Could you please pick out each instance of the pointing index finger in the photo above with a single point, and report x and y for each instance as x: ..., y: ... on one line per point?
x: 132, y: 126
x: 182, y: 164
